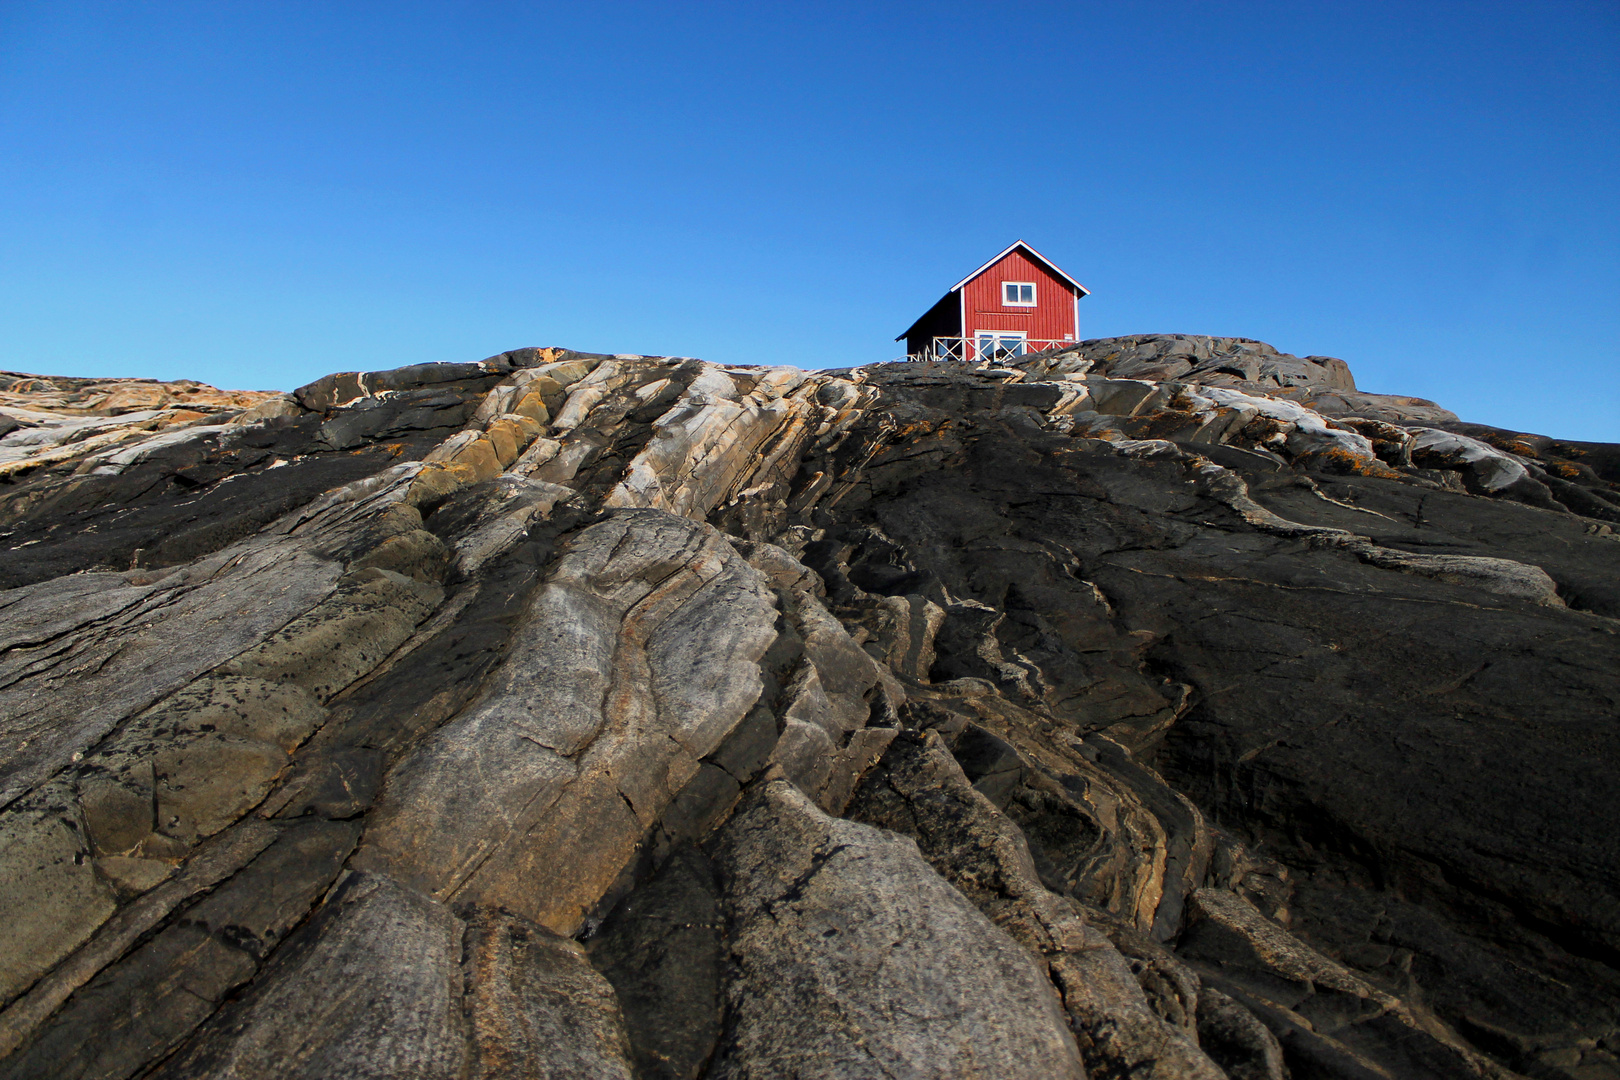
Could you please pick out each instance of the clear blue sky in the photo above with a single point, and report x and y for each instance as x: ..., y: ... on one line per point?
x: 257, y: 194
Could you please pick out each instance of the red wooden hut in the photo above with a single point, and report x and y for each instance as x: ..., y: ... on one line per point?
x: 1017, y: 302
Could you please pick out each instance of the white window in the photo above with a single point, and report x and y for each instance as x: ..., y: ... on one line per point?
x: 1018, y: 294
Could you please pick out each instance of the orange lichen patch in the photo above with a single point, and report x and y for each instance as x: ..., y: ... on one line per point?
x: 480, y: 460
x: 1385, y: 431
x: 1376, y: 430
x: 1097, y: 429
x: 908, y: 431
x: 1512, y: 444
x: 1161, y: 424
x: 1262, y: 428
x: 1343, y: 463
x: 533, y: 406
x: 1564, y: 449
x: 1388, y: 441
x: 506, y: 439
x: 1260, y: 432
x: 1566, y: 470
x: 905, y: 440
x: 437, y: 482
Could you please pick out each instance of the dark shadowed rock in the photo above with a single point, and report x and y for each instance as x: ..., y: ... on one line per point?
x: 663, y: 950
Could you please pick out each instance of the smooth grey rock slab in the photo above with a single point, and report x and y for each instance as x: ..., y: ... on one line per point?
x: 325, y: 649
x: 370, y: 988
x: 854, y: 959
x: 1391, y: 408
x: 49, y: 890
x: 190, y: 622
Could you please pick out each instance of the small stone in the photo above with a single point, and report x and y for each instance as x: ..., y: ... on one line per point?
x: 133, y: 876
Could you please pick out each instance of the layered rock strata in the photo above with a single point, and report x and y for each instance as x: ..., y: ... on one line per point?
x: 1163, y: 707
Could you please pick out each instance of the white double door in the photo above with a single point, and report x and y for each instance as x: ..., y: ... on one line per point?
x: 998, y: 344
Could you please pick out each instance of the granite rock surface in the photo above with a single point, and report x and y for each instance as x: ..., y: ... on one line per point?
x: 1164, y: 707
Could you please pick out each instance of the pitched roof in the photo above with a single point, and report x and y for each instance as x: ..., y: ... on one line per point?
x: 1016, y: 244
x: 1032, y: 253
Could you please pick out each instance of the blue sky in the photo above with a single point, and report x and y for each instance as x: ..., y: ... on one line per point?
x: 257, y: 194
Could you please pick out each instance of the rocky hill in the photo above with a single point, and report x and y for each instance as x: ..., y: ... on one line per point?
x: 1161, y: 708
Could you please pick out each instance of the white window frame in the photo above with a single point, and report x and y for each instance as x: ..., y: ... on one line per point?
x: 1033, y: 302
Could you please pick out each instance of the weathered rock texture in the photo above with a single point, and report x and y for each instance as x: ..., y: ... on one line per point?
x: 1160, y: 708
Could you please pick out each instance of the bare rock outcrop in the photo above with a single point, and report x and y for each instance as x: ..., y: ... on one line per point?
x: 1159, y: 707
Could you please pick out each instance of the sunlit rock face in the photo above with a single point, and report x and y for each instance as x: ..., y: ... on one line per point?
x: 1164, y: 707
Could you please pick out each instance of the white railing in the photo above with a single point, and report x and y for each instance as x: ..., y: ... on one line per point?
x: 985, y: 348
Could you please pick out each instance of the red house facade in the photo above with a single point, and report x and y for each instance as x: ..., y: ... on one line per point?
x: 1017, y: 302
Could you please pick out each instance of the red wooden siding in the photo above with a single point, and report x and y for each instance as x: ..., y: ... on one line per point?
x: 1051, y: 319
